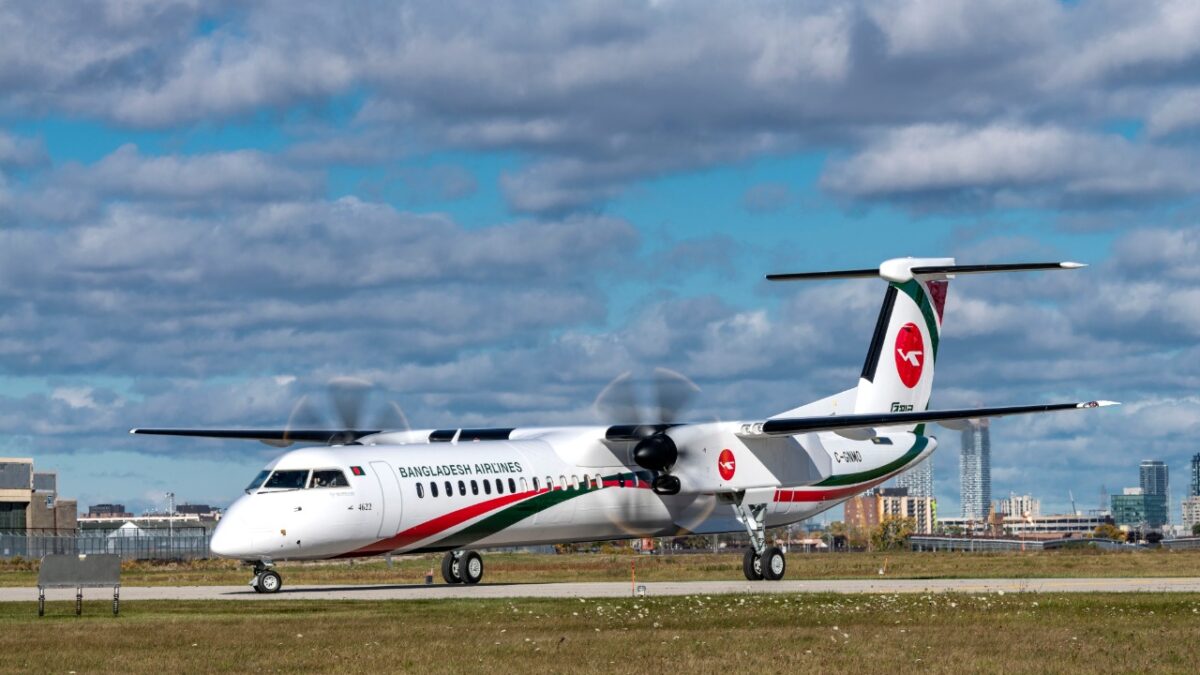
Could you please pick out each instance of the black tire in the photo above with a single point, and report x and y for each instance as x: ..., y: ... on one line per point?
x: 774, y: 563
x: 269, y: 582
x: 751, y: 567
x: 450, y: 569
x: 470, y: 567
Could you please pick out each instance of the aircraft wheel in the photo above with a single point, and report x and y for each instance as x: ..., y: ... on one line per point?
x: 470, y: 567
x: 774, y: 563
x: 450, y: 568
x: 752, y: 566
x: 269, y: 582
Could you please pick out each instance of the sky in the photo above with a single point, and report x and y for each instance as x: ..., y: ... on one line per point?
x: 208, y: 210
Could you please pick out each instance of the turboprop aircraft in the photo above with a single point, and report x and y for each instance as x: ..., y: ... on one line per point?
x: 373, y: 491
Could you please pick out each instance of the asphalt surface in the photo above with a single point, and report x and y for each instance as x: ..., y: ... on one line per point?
x: 621, y: 589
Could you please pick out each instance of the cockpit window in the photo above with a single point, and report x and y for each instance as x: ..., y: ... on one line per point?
x: 328, y: 478
x: 258, y: 480
x: 286, y: 480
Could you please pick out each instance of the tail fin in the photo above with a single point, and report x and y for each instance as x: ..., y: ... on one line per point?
x: 898, y: 373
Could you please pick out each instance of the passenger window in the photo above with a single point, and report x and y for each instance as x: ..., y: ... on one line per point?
x: 499, y: 487
x: 286, y: 480
x: 512, y: 485
x: 599, y: 481
x: 524, y: 485
x: 487, y: 487
x: 535, y: 484
x: 549, y: 483
x: 433, y: 488
x: 328, y: 478
x: 562, y: 482
x: 574, y: 482
x: 420, y: 491
x: 474, y: 488
x: 449, y: 489
x: 462, y: 488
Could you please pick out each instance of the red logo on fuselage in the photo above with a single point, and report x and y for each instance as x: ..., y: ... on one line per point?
x: 910, y: 354
x: 726, y: 464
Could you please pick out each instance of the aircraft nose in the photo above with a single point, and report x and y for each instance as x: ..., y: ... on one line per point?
x: 226, y: 541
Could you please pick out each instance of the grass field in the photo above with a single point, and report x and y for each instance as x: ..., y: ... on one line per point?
x: 596, y: 567
x: 1013, y: 633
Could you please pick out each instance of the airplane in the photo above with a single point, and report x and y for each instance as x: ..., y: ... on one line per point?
x: 360, y: 492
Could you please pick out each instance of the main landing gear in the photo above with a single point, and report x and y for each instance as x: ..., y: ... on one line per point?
x: 462, y: 567
x: 266, y: 580
x: 760, y: 561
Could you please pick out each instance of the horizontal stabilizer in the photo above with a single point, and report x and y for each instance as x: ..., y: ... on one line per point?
x: 275, y: 437
x: 790, y: 426
x: 903, y: 269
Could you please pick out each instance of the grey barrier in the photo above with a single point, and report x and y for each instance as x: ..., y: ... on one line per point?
x: 191, y: 544
x: 79, y: 572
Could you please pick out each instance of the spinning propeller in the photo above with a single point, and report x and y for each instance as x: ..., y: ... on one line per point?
x: 654, y: 449
x: 343, y: 409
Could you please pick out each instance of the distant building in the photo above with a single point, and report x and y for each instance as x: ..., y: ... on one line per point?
x: 1057, y: 525
x: 108, y: 511
x: 29, y: 500
x: 918, y: 480
x: 868, y: 510
x: 1136, y: 509
x: 1191, y: 514
x: 975, y: 470
x: 1019, y: 506
x: 1194, y: 486
x: 1154, y: 484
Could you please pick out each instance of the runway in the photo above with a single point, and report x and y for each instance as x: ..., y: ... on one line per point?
x: 623, y: 590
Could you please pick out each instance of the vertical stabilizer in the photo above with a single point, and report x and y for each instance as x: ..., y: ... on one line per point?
x: 897, y: 375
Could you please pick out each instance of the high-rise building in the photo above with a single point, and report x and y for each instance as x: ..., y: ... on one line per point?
x: 975, y: 470
x: 1155, y: 486
x: 1194, y: 488
x: 918, y: 480
x: 1153, y: 477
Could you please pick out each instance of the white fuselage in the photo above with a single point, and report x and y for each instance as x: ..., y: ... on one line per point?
x: 543, y: 486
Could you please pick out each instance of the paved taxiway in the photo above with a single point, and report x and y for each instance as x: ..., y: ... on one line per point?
x: 622, y: 589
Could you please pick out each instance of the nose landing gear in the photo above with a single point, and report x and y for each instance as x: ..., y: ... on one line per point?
x: 266, y: 580
x: 462, y: 567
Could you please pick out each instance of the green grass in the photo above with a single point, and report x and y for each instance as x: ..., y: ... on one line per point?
x: 519, y: 568
x: 1013, y: 633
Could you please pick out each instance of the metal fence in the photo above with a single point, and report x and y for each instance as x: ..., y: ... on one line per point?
x: 190, y: 544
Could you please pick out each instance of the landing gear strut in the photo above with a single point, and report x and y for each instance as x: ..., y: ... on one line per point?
x: 266, y: 580
x: 760, y: 561
x: 462, y: 567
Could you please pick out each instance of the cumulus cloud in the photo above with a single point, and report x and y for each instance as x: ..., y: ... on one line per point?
x: 1007, y: 165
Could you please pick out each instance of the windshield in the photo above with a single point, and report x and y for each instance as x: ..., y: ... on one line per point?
x: 258, y: 481
x: 323, y: 478
x: 286, y: 480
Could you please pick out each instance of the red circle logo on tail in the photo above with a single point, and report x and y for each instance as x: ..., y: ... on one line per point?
x: 910, y: 354
x: 726, y: 464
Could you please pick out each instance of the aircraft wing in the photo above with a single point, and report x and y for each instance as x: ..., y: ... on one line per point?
x: 276, y: 437
x: 863, y: 425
